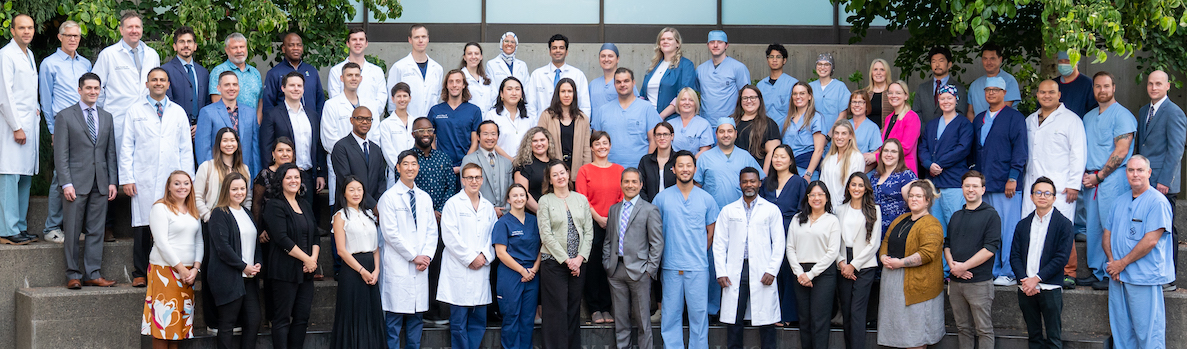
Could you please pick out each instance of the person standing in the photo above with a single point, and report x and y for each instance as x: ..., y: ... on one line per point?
x: 861, y: 234
x: 517, y: 244
x: 435, y: 177
x: 124, y: 69
x: 830, y: 99
x: 58, y: 88
x: 1137, y: 243
x: 395, y: 131
x: 409, y: 234
x: 813, y: 245
x: 292, y: 228
x: 300, y: 125
x: 624, y: 120
x: 804, y: 131
x: 688, y: 130
x: 234, y: 264
x: 506, y: 64
x: 1075, y: 89
x: 889, y: 178
x: 228, y: 112
x: 496, y: 170
x: 867, y: 134
x: 335, y: 116
x: 372, y: 90
x: 909, y: 124
x: 478, y: 81
x: 227, y: 159
x: 1160, y: 125
x: 777, y: 87
x: 749, y: 217
x: 1109, y: 130
x: 757, y: 133
x: 879, y: 106
x: 843, y: 160
x: 655, y: 169
x: 455, y: 119
x: 927, y: 109
x: 596, y: 181
x: 357, y: 156
x: 156, y: 143
x: 358, y: 311
x: 84, y: 158
x: 191, y: 95
x: 943, y: 153
x: 1000, y: 151
x: 566, y: 238
x: 785, y: 188
x: 669, y: 56
x: 466, y: 225
x: 251, y: 83
x: 911, y: 299
x: 422, y: 74
x: 631, y: 256
x: 1042, y: 242
x: 601, y: 89
x: 973, y: 239
x: 544, y: 80
x: 568, y: 129
x: 720, y: 78
x: 292, y: 48
x: 176, y: 261
x: 20, y: 133
x: 717, y: 169
x: 510, y: 115
x: 991, y: 60
x: 689, y: 217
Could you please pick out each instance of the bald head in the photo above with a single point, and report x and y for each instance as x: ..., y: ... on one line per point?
x: 1048, y: 95
x: 1157, y: 85
x: 361, y: 119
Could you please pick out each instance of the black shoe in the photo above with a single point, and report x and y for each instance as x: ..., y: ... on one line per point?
x: 1101, y: 285
x: 17, y: 239
x: 1081, y: 237
x: 1087, y: 281
x: 30, y: 237
x: 1069, y: 283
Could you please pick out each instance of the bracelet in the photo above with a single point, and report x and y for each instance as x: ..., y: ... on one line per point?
x: 1097, y: 174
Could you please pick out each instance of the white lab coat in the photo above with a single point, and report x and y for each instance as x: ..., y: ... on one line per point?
x: 426, y: 91
x: 394, y: 137
x: 762, y: 232
x: 511, y: 131
x: 465, y: 233
x: 405, y: 290
x: 481, y: 95
x: 498, y: 71
x: 1058, y: 150
x: 540, y: 89
x: 152, y: 150
x: 335, y: 125
x: 372, y: 93
x: 123, y: 87
x: 18, y: 108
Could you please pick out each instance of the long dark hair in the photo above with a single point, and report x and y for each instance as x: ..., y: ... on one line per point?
x: 522, y: 105
x: 758, y: 126
x: 772, y: 180
x: 548, y: 188
x: 276, y: 189
x: 557, y: 109
x: 806, y: 209
x: 236, y: 158
x: 868, y: 208
x: 363, y: 207
x: 481, y: 69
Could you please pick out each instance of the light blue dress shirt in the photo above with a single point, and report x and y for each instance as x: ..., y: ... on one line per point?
x: 58, y: 83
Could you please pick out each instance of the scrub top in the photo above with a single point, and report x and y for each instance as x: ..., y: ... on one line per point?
x: 777, y: 96
x: 830, y: 101
x: 600, y: 92
x: 686, y: 244
x: 868, y: 136
x: 800, y: 140
x: 719, y: 87
x: 628, y: 130
x: 977, y: 92
x: 692, y: 137
x: 1101, y: 128
x: 522, y: 239
x: 454, y: 127
x: 1131, y: 219
x: 718, y: 173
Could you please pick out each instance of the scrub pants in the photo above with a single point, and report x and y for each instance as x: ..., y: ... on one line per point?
x: 408, y: 326
x: 517, y: 302
x: 1009, y: 210
x: 53, y: 220
x: 1137, y: 316
x: 1098, y: 206
x: 466, y: 326
x: 685, y: 288
x: 714, y: 289
x: 14, y: 203
x: 950, y: 201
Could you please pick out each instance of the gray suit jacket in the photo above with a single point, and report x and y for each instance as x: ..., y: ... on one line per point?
x: 78, y: 161
x: 1162, y: 141
x: 925, y: 100
x: 495, y: 179
x: 643, y: 241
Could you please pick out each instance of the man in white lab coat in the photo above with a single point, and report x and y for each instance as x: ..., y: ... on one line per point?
x: 506, y: 64
x: 543, y: 80
x: 372, y: 88
x: 409, y: 233
x: 422, y: 74
x: 19, y: 133
x: 156, y: 142
x: 335, y: 115
x: 123, y: 68
x: 466, y: 223
x: 750, y: 228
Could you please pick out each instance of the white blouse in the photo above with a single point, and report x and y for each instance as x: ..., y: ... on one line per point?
x: 813, y: 242
x: 834, y: 179
x: 360, y: 229
x: 177, y: 238
x: 247, y: 236
x: 853, y: 233
x: 511, y: 131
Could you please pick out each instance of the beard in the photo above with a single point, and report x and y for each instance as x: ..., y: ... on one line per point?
x: 684, y: 181
x: 424, y: 142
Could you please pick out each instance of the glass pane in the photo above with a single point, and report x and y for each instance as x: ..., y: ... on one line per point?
x: 667, y: 12
x: 776, y: 12
x: 537, y: 11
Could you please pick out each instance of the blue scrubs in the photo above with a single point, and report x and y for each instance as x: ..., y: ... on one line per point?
x: 1137, y: 314
x: 1001, y: 153
x: 868, y: 136
x: 692, y: 137
x: 517, y: 300
x: 799, y: 138
x: 686, y: 264
x: 718, y: 173
x: 719, y: 87
x: 466, y: 326
x: 777, y: 96
x: 454, y: 127
x: 600, y: 92
x: 1100, y: 129
x: 830, y: 100
x: 628, y: 130
x: 977, y: 92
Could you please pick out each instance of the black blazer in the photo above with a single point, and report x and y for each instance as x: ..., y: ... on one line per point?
x: 1056, y: 248
x: 281, y: 219
x: 650, y: 173
x: 276, y: 124
x: 348, y: 160
x: 225, y: 268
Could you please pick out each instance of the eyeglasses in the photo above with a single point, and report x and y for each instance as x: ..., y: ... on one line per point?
x: 859, y: 102
x: 424, y: 130
x: 995, y: 90
x: 472, y: 178
x: 749, y: 98
x: 362, y: 119
x: 1043, y: 193
x: 663, y: 135
x: 71, y: 36
x: 775, y: 57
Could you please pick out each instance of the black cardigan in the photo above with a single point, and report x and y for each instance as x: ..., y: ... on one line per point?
x: 649, y: 174
x: 225, y: 268
x: 1056, y: 249
x: 280, y: 218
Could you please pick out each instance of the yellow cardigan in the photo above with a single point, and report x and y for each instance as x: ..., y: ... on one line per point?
x: 926, y: 237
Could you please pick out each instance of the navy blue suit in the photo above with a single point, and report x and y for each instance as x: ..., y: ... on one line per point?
x: 950, y: 150
x: 181, y: 87
x: 276, y: 124
x: 1056, y: 249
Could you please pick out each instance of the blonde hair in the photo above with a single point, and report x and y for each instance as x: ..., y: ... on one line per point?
x: 842, y: 155
x: 885, y: 64
x: 659, y: 55
x: 525, y: 154
x: 696, y: 101
x: 808, y: 110
x: 906, y: 92
x: 189, y: 198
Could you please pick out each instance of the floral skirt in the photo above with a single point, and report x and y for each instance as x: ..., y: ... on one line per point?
x: 168, y: 306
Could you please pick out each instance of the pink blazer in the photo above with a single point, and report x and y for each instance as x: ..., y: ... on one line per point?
x: 906, y: 131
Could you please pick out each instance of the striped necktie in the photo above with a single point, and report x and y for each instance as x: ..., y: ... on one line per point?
x: 622, y: 222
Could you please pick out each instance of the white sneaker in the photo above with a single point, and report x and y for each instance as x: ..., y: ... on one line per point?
x: 55, y: 236
x: 1004, y: 281
x: 657, y: 316
x: 213, y: 331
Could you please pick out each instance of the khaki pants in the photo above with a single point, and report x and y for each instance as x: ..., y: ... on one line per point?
x: 972, y: 305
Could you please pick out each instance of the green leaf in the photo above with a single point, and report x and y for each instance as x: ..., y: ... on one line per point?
x: 982, y: 34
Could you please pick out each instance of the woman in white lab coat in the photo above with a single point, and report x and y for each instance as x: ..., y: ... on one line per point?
x: 467, y: 221
x: 481, y: 86
x: 152, y: 148
x: 506, y: 64
x: 395, y: 132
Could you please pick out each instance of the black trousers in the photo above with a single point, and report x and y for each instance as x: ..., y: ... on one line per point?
x: 210, y: 311
x: 816, y: 307
x: 290, y: 318
x: 734, y: 336
x: 597, y: 283
x: 245, y: 310
x: 141, y: 248
x: 560, y: 298
x: 1042, y: 313
x: 1174, y: 232
x: 855, y: 297
x: 437, y: 310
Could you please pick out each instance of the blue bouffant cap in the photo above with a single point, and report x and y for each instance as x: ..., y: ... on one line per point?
x: 718, y: 35
x: 609, y: 46
x: 1063, y: 55
x: 995, y: 81
x: 725, y: 120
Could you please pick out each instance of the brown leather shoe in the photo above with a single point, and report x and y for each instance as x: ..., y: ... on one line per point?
x: 108, y: 235
x: 101, y: 282
x: 139, y: 282
x: 73, y: 284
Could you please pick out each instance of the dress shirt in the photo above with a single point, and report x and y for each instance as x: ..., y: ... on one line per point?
x: 302, y: 134
x: 1034, y: 251
x: 58, y: 83
x: 251, y: 83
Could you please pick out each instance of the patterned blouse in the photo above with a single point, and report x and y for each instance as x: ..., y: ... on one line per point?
x: 436, y: 177
x: 889, y: 195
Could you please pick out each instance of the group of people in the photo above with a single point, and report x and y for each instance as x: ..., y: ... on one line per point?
x: 602, y: 191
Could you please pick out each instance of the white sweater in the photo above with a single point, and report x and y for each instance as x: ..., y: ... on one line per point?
x: 177, y: 239
x: 814, y: 242
x: 207, y: 185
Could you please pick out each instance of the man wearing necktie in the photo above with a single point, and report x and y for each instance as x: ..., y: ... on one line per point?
x: 58, y: 88
x: 928, y: 109
x: 496, y: 170
x: 190, y: 78
x: 539, y: 89
x: 356, y: 155
x: 631, y: 256
x: 1161, y: 126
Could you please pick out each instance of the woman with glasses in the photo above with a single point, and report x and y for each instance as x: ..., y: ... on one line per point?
x: 866, y: 132
x: 757, y: 134
x: 911, y: 302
